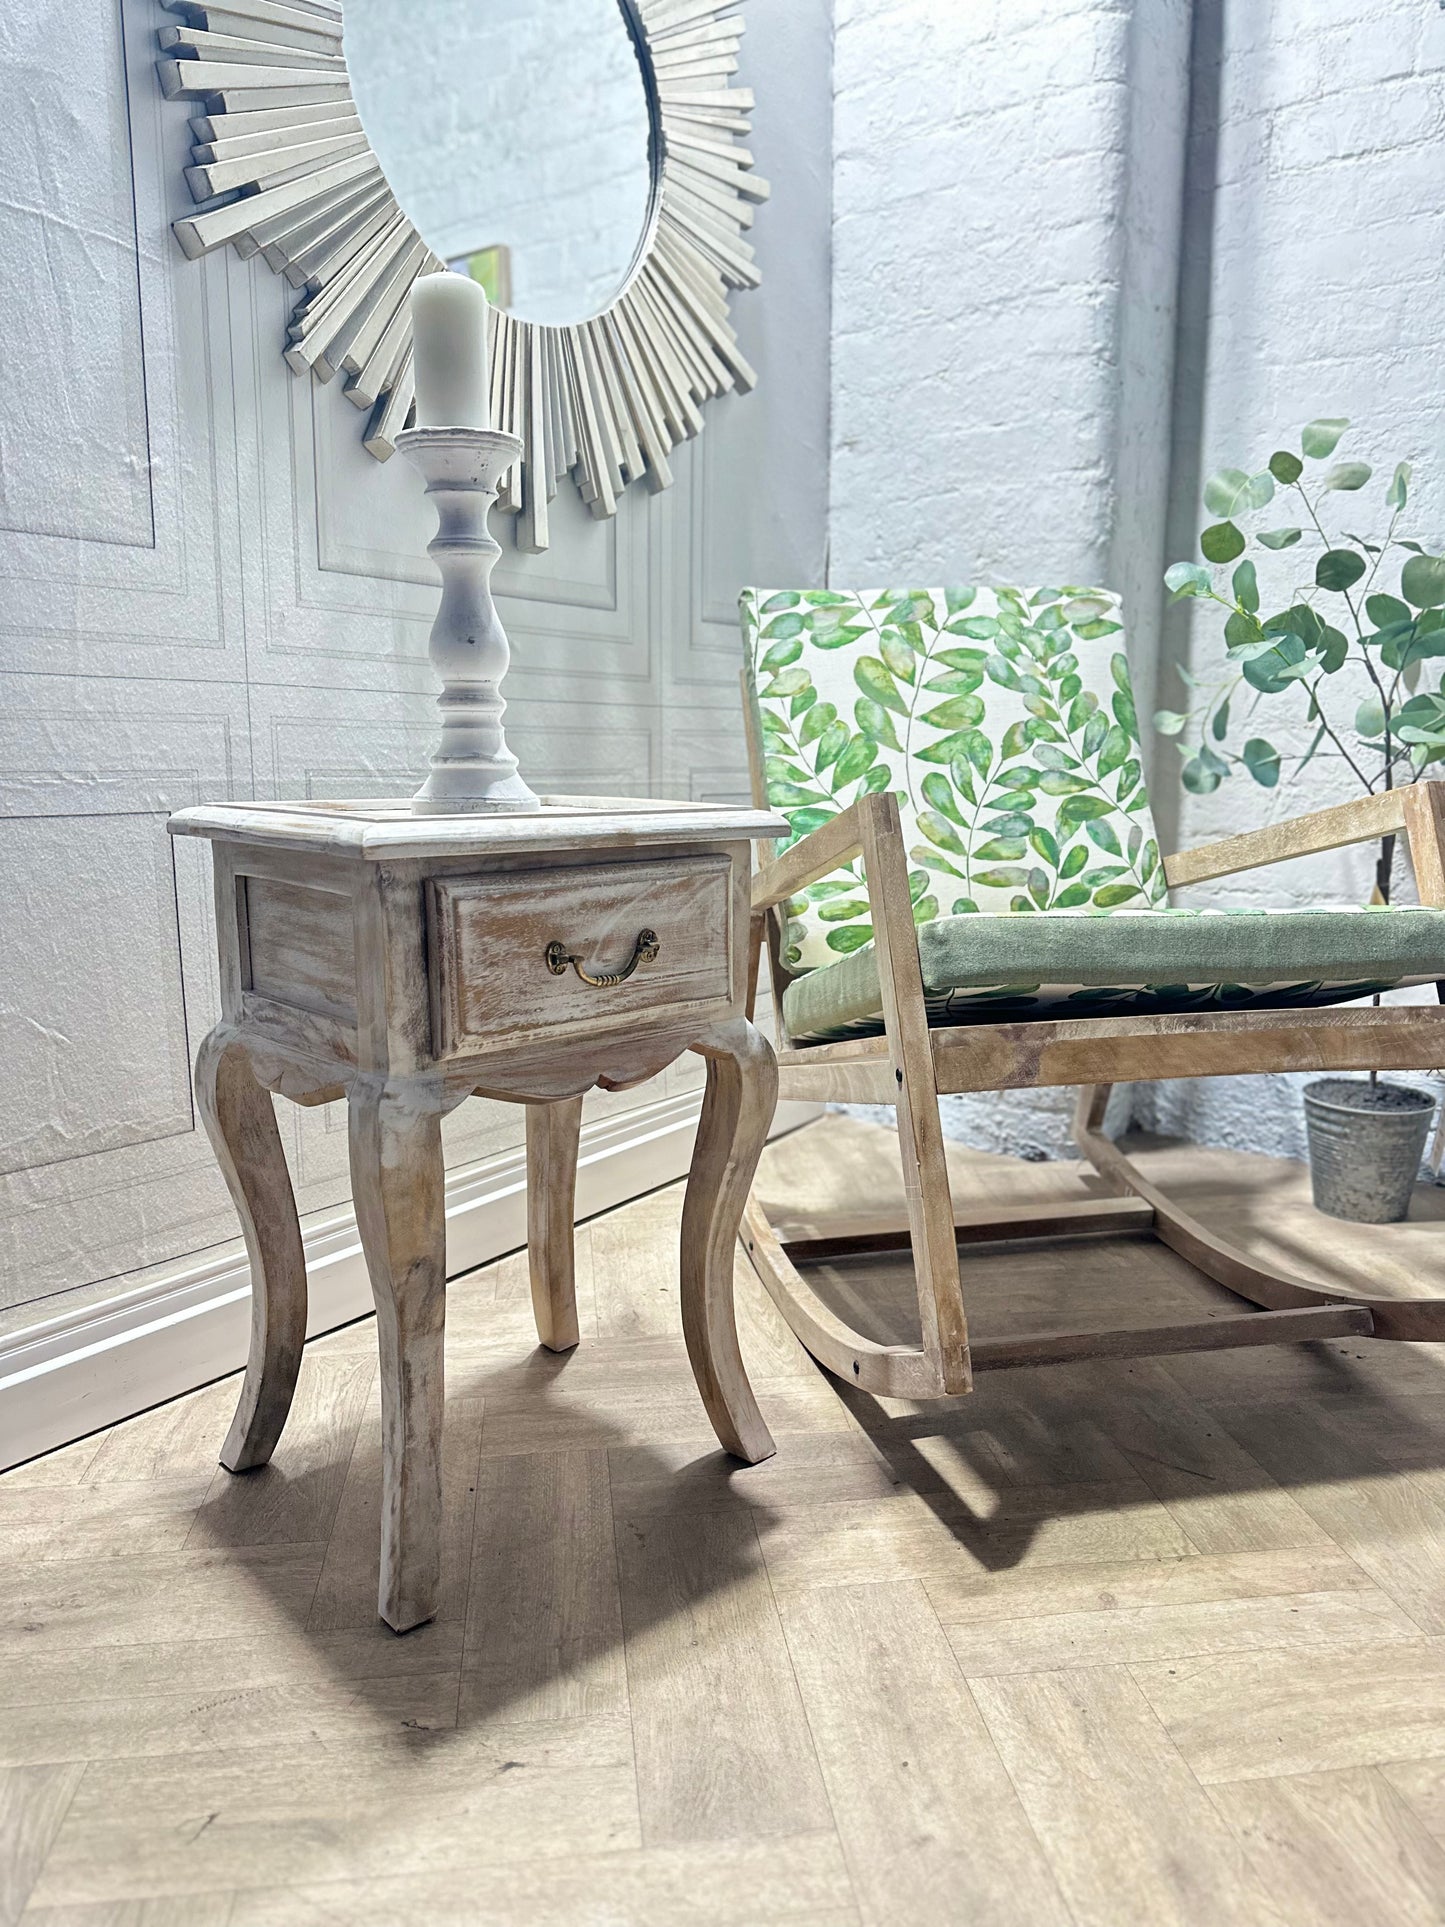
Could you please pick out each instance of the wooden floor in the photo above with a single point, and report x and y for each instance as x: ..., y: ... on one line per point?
x: 1136, y: 1643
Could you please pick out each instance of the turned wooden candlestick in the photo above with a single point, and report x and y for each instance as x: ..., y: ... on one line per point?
x: 471, y: 766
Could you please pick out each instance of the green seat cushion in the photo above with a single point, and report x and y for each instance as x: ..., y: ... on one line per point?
x: 988, y: 968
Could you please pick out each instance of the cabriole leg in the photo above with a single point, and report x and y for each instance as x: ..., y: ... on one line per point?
x: 742, y: 1089
x: 240, y: 1121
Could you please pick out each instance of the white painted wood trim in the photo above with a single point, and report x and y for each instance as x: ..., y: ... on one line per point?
x: 89, y: 1368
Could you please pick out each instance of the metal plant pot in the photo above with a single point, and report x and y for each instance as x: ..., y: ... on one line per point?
x: 1366, y: 1142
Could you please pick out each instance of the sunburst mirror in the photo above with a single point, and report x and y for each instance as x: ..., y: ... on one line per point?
x: 582, y: 158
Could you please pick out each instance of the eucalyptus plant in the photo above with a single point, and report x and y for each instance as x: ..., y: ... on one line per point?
x: 1348, y: 650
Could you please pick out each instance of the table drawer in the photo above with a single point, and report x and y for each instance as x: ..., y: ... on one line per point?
x: 494, y: 982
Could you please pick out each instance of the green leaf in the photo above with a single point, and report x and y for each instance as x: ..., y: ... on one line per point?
x: 1071, y: 898
x: 1102, y: 832
x: 899, y: 654
x: 1095, y: 730
x: 948, y: 748
x: 1000, y: 849
x: 1186, y: 579
x: 1285, y: 467
x: 1077, y: 810
x: 955, y: 682
x: 834, y: 740
x: 1231, y: 492
x: 938, y: 791
x: 1399, y: 489
x: 843, y: 912
x: 804, y: 822
x: 955, y: 600
x: 1219, y: 722
x: 1422, y: 720
x: 832, y: 629
x: 818, y: 719
x: 1333, y: 647
x: 1011, y: 877
x: 853, y: 937
x: 1348, y: 475
x: 1246, y: 587
x: 781, y: 654
x: 1243, y: 631
x: 981, y: 628
x: 960, y: 712
x: 858, y: 756
x: 1340, y: 569
x: 1115, y: 893
x: 939, y: 830
x: 962, y: 906
x: 1370, y: 718
x: 1221, y: 542
x: 782, y: 627
x: 1385, y: 609
x: 877, y: 682
x: 1058, y: 782
x: 1094, y: 631
x: 1320, y: 438
x: 1278, y: 666
x: 1278, y: 538
x: 1422, y: 581
x: 785, y: 599
x: 1197, y: 778
x: 1261, y: 759
x: 1115, y: 752
x: 791, y: 681
x: 1074, y: 861
x: 1045, y: 844
x: 925, y: 909
x: 875, y: 723
x: 1169, y: 722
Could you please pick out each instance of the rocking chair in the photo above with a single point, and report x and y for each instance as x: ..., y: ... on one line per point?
x: 975, y: 901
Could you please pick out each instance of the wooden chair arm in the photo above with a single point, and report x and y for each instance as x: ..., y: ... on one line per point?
x: 1417, y: 810
x: 837, y: 841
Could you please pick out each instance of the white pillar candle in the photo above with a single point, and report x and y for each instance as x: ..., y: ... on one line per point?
x: 449, y: 353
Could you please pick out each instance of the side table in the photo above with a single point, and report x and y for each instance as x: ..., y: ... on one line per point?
x: 407, y: 962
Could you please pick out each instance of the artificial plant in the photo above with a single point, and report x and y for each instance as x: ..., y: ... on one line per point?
x: 1347, y: 650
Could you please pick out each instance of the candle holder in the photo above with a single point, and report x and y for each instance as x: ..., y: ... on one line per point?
x: 471, y: 766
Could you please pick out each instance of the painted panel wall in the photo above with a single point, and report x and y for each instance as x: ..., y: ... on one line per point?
x: 211, y: 592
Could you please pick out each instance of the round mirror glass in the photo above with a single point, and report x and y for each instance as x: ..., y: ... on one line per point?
x: 517, y: 136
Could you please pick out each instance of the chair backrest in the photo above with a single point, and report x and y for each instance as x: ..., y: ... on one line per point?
x: 1002, y: 718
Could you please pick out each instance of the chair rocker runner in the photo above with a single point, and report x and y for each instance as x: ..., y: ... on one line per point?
x: 980, y: 747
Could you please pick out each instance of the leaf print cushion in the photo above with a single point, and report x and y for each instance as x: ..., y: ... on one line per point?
x: 1003, y: 719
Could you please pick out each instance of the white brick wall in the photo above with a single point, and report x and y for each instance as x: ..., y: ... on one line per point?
x: 1313, y: 240
x: 1007, y: 180
x: 1010, y: 397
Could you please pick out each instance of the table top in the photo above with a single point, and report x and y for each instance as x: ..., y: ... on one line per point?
x: 388, y: 830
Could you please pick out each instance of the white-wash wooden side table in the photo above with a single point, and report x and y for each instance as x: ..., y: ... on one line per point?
x: 408, y: 962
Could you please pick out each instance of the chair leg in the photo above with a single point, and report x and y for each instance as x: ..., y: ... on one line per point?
x: 929, y: 1204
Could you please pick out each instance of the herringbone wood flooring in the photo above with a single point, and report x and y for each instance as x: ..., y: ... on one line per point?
x: 1140, y: 1643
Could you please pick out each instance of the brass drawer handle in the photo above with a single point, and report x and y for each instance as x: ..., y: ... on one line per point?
x: 643, y: 951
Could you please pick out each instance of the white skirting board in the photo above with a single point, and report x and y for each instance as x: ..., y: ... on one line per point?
x: 92, y: 1367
